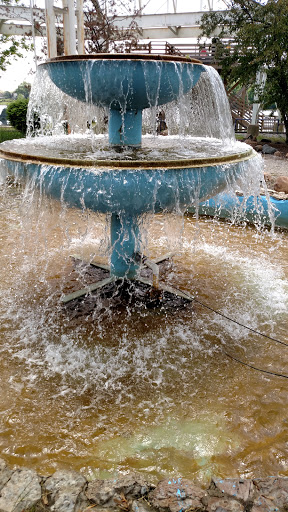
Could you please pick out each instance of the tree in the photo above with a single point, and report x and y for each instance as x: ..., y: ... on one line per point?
x: 102, y: 35
x: 101, y: 32
x: 260, y: 44
x: 6, y: 95
x: 23, y: 90
x: 17, y: 114
x: 11, y: 47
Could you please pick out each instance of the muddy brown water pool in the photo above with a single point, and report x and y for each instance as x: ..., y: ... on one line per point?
x: 129, y: 388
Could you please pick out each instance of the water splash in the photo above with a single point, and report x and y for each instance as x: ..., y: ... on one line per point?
x: 204, y: 112
x: 103, y: 387
x: 116, y: 382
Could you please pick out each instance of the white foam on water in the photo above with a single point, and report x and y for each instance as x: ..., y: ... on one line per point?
x: 265, y: 279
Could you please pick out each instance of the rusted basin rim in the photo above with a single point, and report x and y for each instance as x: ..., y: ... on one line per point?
x: 132, y: 164
x: 125, y: 56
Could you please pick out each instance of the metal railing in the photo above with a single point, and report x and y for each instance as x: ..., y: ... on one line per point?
x: 240, y: 109
x: 205, y: 53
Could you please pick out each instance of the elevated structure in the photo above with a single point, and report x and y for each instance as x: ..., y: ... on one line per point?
x: 17, y: 20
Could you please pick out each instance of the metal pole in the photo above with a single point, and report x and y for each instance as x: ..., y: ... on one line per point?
x: 50, y: 29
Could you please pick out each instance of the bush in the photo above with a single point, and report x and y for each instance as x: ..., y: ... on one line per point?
x: 7, y: 133
x: 16, y: 114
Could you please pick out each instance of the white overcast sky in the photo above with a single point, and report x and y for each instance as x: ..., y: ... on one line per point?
x: 24, y: 69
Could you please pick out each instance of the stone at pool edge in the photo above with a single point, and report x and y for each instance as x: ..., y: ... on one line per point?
x: 108, y: 493
x: 20, y: 489
x: 258, y: 495
x: 64, y: 491
x: 242, y: 490
x: 177, y: 494
x: 271, y: 494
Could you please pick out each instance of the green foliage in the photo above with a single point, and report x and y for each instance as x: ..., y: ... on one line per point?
x: 17, y: 113
x: 9, y: 134
x: 6, y: 95
x: 11, y: 47
x: 23, y: 90
x: 260, y: 43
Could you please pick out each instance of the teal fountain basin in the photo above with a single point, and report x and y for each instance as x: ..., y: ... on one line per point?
x: 125, y: 84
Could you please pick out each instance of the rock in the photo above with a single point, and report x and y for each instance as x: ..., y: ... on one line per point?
x: 265, y: 140
x: 242, y: 490
x: 223, y: 505
x: 21, y: 491
x: 268, y: 150
x: 272, y: 494
x: 177, y: 494
x: 281, y: 184
x: 140, y: 506
x: 264, y: 505
x: 5, y: 473
x: 64, y: 490
x: 286, y: 156
x: 258, y: 147
x: 110, y: 493
x: 101, y: 492
x: 278, y: 153
x: 268, y: 178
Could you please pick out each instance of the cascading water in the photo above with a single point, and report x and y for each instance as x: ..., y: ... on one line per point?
x: 104, y: 386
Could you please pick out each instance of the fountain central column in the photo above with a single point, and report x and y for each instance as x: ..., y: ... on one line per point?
x: 125, y: 242
x: 125, y: 128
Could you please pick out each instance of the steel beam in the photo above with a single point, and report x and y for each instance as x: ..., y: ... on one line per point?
x: 20, y: 29
x: 151, y: 26
x: 16, y: 12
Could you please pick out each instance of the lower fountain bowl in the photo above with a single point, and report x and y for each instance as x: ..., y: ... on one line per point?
x: 126, y: 189
x: 130, y: 188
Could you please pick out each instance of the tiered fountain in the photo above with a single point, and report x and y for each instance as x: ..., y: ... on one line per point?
x: 125, y: 185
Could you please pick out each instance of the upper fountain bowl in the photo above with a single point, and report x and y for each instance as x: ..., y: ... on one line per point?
x: 124, y: 81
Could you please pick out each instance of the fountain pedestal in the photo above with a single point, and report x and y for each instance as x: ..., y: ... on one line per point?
x: 125, y: 129
x: 125, y: 242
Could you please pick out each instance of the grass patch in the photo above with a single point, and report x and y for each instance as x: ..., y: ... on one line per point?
x: 274, y: 137
x: 5, y: 101
x: 9, y: 133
